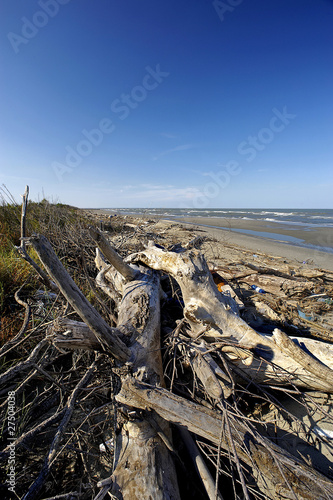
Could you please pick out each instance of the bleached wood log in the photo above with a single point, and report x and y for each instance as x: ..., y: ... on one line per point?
x: 216, y: 383
x: 279, y: 286
x: 118, y: 263
x: 69, y: 334
x: 275, y: 470
x: 141, y: 454
x: 206, y: 308
x: 144, y: 466
x: 78, y: 301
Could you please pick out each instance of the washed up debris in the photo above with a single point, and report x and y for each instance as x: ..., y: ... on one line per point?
x: 257, y: 289
x: 304, y: 316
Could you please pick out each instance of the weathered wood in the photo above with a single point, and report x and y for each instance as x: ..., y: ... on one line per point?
x: 216, y: 383
x: 141, y: 454
x: 272, y: 466
x: 69, y: 334
x: 118, y: 263
x: 206, y: 308
x: 200, y: 466
x: 313, y: 366
x: 144, y: 466
x: 138, y: 444
x: 22, y: 248
x: 104, y: 333
x: 281, y: 287
x: 268, y: 270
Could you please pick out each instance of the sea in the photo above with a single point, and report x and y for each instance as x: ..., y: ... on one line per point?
x: 301, y: 219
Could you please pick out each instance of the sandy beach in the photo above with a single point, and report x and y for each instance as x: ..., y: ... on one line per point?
x: 259, y: 241
x: 320, y: 237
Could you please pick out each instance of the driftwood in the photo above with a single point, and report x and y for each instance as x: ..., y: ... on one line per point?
x: 211, y: 330
x: 269, y: 463
x: 209, y: 315
x: 280, y: 286
x: 107, y: 336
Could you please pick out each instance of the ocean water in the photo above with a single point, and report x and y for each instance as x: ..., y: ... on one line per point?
x: 301, y: 220
x: 299, y: 217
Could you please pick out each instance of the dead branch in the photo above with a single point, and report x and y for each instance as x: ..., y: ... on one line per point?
x: 268, y: 270
x: 22, y: 248
x: 104, y: 333
x: 12, y: 342
x: 38, y: 483
x: 32, y: 433
x: 124, y: 269
x: 70, y: 334
x: 200, y: 465
x: 264, y: 457
x: 23, y: 365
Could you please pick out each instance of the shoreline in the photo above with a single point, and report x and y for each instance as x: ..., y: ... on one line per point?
x: 257, y: 240
x: 310, y: 257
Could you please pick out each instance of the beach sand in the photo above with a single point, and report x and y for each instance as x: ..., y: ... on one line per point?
x: 321, y: 237
x: 290, y: 275
x: 258, y: 243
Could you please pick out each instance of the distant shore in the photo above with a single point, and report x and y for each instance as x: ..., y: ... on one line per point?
x: 318, y: 254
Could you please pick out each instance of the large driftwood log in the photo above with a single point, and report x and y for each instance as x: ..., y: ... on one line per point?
x: 209, y: 315
x: 144, y: 466
x: 141, y: 452
x: 104, y: 333
x: 272, y: 467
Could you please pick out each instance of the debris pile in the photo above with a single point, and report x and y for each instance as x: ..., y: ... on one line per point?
x: 196, y: 352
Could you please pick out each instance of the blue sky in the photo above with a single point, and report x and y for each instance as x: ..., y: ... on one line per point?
x: 168, y: 103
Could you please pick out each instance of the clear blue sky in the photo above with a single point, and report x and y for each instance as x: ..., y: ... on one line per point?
x: 168, y: 103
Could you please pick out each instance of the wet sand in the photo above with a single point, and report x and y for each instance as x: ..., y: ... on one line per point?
x: 257, y: 239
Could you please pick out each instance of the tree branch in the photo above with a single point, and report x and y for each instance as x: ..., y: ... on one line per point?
x: 111, y: 255
x: 104, y: 333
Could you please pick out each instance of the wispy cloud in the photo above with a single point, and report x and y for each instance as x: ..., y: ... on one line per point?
x: 153, y: 193
x: 182, y: 147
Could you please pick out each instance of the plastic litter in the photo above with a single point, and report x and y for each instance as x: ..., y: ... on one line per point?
x: 257, y: 289
x: 303, y: 315
x: 218, y: 280
x: 328, y: 300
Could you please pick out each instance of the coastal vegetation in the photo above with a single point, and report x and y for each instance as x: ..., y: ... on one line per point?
x: 65, y: 227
